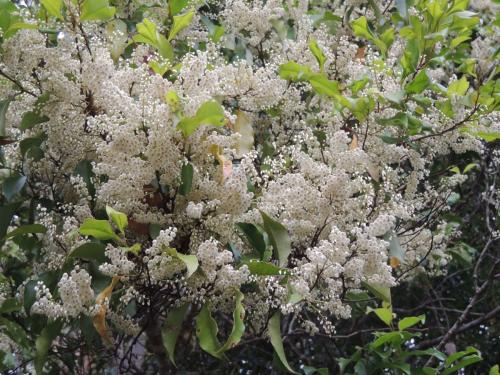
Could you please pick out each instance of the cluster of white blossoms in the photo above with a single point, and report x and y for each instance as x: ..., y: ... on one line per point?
x: 346, y: 190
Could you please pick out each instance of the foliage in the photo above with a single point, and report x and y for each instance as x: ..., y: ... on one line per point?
x: 249, y: 186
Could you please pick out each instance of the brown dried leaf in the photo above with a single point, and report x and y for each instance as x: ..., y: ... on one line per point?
x: 99, y: 319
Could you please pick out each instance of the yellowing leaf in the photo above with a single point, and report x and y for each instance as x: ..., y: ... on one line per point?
x: 225, y: 165
x: 99, y: 319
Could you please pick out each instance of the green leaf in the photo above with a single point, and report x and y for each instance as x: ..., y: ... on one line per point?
x: 96, y: 10
x: 172, y: 328
x: 410, y: 322
x: 294, y: 72
x: 84, y: 170
x: 419, y: 83
x: 361, y: 29
x: 176, y: 6
x: 148, y: 34
x: 381, y: 292
x: 31, y: 119
x: 309, y: 370
x: 318, y: 53
x: 324, y: 86
x: 100, y: 229
x: 386, y: 337
x: 44, y: 342
x: 10, y: 305
x: 186, y: 179
x: 206, y: 331
x: 53, y: 7
x: 6, y: 214
x: 25, y: 229
x: 384, y: 314
x: 278, y: 235
x: 456, y: 356
x: 411, y: 54
x: 209, y: 113
x: 180, y: 23
x: 488, y: 137
x: 238, y: 325
x: 263, y: 268
x: 12, y: 186
x: 463, y: 363
x: 119, y: 218
x: 458, y: 87
x: 4, y: 106
x: 90, y: 251
x: 191, y: 261
x: 495, y: 370
x: 274, y: 332
x: 15, y: 332
x: 254, y: 237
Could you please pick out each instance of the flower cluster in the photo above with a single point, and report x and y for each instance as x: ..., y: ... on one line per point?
x: 312, y: 132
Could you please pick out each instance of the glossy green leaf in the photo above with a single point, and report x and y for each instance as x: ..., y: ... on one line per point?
x: 53, y: 7
x: 383, y: 313
x: 44, y: 342
x: 100, y: 229
x: 176, y: 6
x: 254, y: 237
x: 294, y: 72
x: 238, y: 325
x: 10, y: 305
x: 119, y: 218
x: 186, y: 179
x: 410, y: 322
x: 26, y: 229
x: 458, y: 87
x: 180, y: 23
x: 206, y: 331
x: 419, y: 83
x: 309, y: 370
x: 172, y: 328
x: 91, y: 251
x: 386, y: 338
x: 148, y: 34
x: 209, y: 113
x: 13, y: 185
x: 6, y: 214
x: 191, y: 261
x: 318, y: 53
x: 15, y: 332
x: 381, y: 292
x: 263, y: 268
x: 4, y: 106
x: 278, y: 235
x: 324, y: 86
x: 31, y: 119
x: 274, y: 332
x: 96, y: 10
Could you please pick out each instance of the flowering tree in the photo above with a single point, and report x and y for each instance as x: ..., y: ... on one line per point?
x: 210, y: 177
